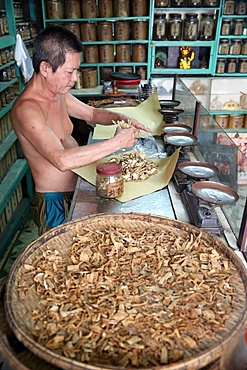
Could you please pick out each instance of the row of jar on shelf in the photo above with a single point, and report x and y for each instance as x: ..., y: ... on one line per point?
x: 233, y: 46
x: 231, y: 65
x: 7, y: 95
x: 232, y: 121
x: 109, y: 53
x: 88, y: 77
x: 188, y: 28
x: 7, y: 54
x: 108, y: 31
x: 92, y: 9
x: 230, y: 6
x: 4, y: 28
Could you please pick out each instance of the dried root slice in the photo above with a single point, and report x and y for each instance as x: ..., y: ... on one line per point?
x: 123, y: 124
x: 136, y: 166
x: 131, y: 297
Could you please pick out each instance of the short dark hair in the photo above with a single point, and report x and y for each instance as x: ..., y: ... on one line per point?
x: 52, y: 44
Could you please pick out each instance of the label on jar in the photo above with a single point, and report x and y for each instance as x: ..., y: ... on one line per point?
x: 208, y: 30
x: 221, y: 66
x: 235, y: 48
x: 243, y: 66
x: 231, y: 67
x: 175, y: 30
x: 225, y: 29
x: 238, y: 28
x: 229, y: 7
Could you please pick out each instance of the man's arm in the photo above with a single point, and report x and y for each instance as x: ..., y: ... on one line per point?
x: 80, y: 110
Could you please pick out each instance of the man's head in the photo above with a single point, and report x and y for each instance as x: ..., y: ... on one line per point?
x: 52, y: 44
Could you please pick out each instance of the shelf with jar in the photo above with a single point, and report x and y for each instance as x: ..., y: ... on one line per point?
x: 232, y: 49
x: 16, y: 185
x: 115, y: 35
x: 180, y: 24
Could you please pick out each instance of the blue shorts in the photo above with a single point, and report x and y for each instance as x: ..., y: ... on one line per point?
x: 50, y: 209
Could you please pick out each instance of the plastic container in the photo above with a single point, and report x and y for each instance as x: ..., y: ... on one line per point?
x: 109, y: 180
x: 88, y: 31
x: 105, y: 8
x: 222, y: 120
x: 104, y: 31
x: 236, y: 120
x: 121, y: 30
x: 72, y: 9
x: 54, y: 9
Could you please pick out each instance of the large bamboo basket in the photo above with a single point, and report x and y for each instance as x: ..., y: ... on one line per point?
x: 18, y: 311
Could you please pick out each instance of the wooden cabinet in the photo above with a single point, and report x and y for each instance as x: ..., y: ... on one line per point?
x: 16, y: 185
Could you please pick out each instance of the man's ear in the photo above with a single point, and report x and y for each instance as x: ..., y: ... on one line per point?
x: 44, y: 67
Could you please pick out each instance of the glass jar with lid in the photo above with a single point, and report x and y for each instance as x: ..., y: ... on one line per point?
x: 241, y: 7
x: 231, y: 65
x: 221, y: 64
x: 242, y: 68
x: 190, y: 27
x: 109, y: 180
x: 212, y: 3
x: 178, y: 3
x: 160, y: 25
x: 175, y: 27
x: 226, y: 27
x: 195, y: 3
x: 228, y: 7
x: 235, y: 47
x: 207, y: 25
x: 237, y: 27
x: 161, y: 3
x: 244, y: 47
x: 223, y: 47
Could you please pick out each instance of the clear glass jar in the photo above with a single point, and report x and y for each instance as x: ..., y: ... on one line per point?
x: 237, y: 27
x: 212, y: 3
x: 179, y: 3
x: 207, y: 25
x: 195, y: 3
x: 223, y: 47
x: 235, y: 47
x: 221, y: 65
x: 190, y: 27
x: 226, y: 27
x: 175, y: 27
x: 241, y: 7
x: 228, y: 7
x: 160, y: 27
x: 109, y: 180
x: 242, y: 67
x: 161, y: 3
x: 244, y: 47
x: 231, y: 65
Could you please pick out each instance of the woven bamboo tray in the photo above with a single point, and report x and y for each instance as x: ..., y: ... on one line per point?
x: 18, y: 311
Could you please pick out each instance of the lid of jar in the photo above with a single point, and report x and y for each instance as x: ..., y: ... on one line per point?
x: 236, y: 40
x: 191, y: 15
x: 109, y: 168
x: 175, y: 15
x: 224, y: 40
x: 207, y: 15
x: 238, y: 20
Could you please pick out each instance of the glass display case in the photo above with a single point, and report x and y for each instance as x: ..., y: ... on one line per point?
x: 216, y: 147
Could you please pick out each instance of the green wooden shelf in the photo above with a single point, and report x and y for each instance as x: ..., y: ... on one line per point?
x: 7, y: 144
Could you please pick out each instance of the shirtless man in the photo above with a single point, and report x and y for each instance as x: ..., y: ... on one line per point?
x: 41, y: 120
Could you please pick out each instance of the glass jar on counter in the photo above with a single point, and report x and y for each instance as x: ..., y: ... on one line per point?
x: 223, y: 47
x: 237, y: 27
x: 190, y: 27
x: 244, y: 47
x: 175, y: 27
x: 207, y: 25
x: 160, y: 26
x: 235, y: 47
x: 228, y: 7
x: 161, y: 3
x: 109, y: 180
x: 226, y: 27
x: 242, y: 67
x: 178, y: 3
x: 232, y: 65
x: 221, y: 65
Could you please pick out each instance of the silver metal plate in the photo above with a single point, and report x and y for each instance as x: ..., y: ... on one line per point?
x: 214, y: 192
x: 198, y: 170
